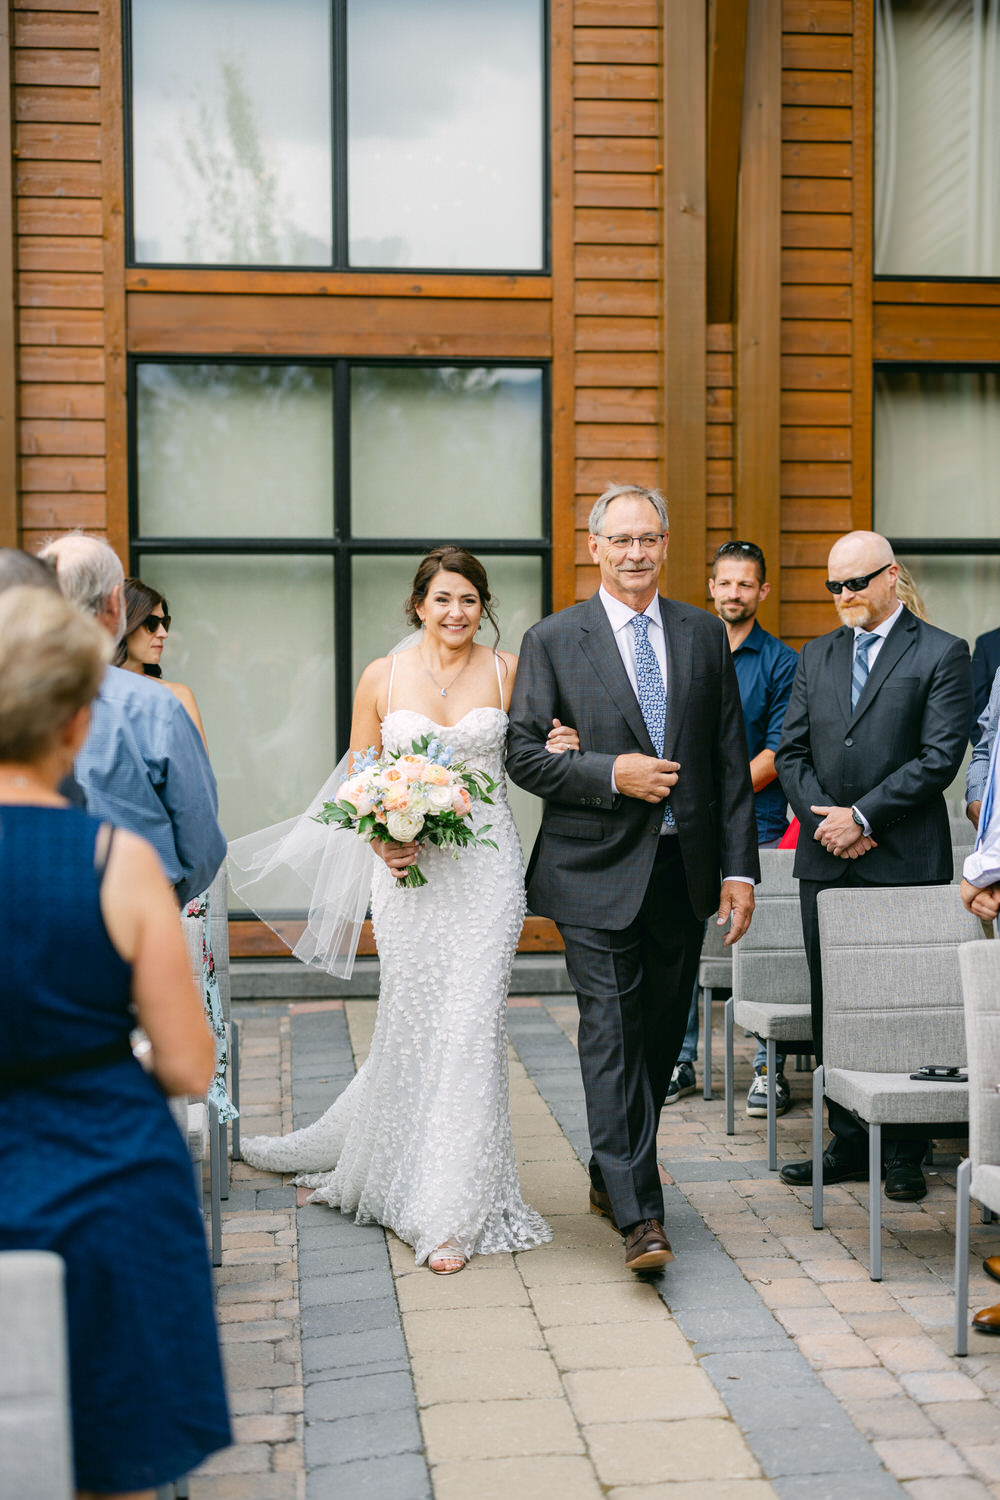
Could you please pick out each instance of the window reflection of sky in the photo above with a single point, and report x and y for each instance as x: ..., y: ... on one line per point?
x: 203, y: 189
x: 445, y: 102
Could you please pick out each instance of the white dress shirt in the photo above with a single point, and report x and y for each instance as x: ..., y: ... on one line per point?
x: 982, y: 867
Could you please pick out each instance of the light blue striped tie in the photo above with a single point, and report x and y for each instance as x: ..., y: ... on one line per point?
x: 859, y: 671
x: 652, y: 694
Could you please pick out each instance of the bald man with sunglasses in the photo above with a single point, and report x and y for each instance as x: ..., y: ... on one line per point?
x: 875, y: 731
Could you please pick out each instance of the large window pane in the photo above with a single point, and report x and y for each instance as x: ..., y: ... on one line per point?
x: 937, y: 125
x: 448, y: 453
x: 253, y: 638
x: 445, y: 132
x: 231, y: 132
x: 380, y: 587
x: 235, y: 450
x: 937, y: 452
x: 961, y: 594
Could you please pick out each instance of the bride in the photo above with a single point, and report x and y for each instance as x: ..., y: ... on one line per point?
x: 420, y: 1140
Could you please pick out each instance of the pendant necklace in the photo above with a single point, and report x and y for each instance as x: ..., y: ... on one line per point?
x: 444, y: 690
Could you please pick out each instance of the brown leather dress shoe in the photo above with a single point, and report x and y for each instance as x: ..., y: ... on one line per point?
x: 600, y: 1203
x: 647, y: 1247
x: 991, y: 1265
x: 988, y: 1320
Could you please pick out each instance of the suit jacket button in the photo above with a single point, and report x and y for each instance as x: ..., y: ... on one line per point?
x: 848, y: 742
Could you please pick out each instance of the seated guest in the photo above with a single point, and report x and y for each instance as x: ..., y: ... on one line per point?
x: 92, y: 1164
x: 24, y: 570
x: 143, y: 766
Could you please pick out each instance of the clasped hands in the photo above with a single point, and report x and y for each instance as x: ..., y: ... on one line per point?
x: 840, y: 835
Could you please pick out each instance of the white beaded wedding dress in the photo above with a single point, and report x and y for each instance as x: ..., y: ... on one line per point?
x: 420, y: 1140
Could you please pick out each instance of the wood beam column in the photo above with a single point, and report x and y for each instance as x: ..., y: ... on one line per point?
x: 757, y: 372
x: 727, y: 24
x: 113, y: 216
x: 684, y: 282
x: 9, y: 507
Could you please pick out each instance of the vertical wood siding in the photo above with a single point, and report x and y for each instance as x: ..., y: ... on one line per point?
x: 618, y: 254
x: 816, y: 273
x: 59, y: 283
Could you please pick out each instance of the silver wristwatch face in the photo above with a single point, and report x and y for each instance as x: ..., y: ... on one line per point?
x: 857, y: 817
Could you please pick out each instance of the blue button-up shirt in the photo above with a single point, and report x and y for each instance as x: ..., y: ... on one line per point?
x: 143, y: 767
x: 765, y: 669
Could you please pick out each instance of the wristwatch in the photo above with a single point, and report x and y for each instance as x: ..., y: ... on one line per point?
x: 858, y: 818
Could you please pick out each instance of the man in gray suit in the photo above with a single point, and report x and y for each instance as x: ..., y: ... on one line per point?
x: 875, y: 730
x: 638, y: 827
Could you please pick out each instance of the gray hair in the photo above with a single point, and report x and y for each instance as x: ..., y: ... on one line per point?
x: 24, y: 570
x: 89, y: 570
x: 615, y: 492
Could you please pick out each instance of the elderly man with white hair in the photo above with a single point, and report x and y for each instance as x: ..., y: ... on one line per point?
x: 143, y: 765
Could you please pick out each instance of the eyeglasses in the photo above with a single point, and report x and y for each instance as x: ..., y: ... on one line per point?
x: 153, y: 623
x: 855, y: 585
x: 647, y: 541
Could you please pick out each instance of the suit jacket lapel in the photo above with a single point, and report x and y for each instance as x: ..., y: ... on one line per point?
x: 597, y: 640
x: 677, y: 634
x: 843, y: 662
x: 896, y: 644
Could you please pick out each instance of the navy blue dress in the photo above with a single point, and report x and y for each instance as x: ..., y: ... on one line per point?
x: 93, y: 1167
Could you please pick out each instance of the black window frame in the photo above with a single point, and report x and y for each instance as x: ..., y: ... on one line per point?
x: 340, y: 261
x: 341, y: 545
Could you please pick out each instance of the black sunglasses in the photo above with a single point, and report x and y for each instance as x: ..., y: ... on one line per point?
x: 153, y: 623
x: 854, y: 584
x: 746, y: 549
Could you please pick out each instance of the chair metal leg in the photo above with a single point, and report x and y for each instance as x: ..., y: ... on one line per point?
x: 986, y: 1215
x: 730, y: 1110
x: 801, y: 1062
x: 929, y: 1154
x: 223, y: 1160
x: 182, y: 1490
x: 706, y: 1043
x: 234, y: 1082
x: 962, y: 1179
x: 875, y: 1201
x: 215, y: 1183
x: 817, y: 1183
x: 772, y: 1104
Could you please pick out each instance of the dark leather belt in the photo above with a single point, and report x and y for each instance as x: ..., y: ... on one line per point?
x: 41, y: 1069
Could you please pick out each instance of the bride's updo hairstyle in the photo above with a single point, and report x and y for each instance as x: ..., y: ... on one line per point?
x: 450, y: 559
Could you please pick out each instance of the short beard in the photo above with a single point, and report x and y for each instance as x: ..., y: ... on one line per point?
x: 858, y: 613
x: 735, y: 614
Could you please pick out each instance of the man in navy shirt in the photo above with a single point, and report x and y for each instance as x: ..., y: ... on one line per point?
x: 765, y: 669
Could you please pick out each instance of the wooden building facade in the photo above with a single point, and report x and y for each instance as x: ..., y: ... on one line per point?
x: 706, y: 313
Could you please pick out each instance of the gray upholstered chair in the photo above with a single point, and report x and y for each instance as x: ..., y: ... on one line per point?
x: 36, y: 1455
x: 770, y: 981
x: 715, y: 972
x: 892, y: 1003
x: 979, y: 1173
x: 959, y: 854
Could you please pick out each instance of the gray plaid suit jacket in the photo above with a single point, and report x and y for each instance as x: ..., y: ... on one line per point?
x: 594, y: 853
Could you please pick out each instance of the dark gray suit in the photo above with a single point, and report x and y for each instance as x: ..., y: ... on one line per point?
x: 891, y: 757
x: 630, y: 902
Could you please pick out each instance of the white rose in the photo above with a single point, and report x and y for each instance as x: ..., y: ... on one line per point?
x: 418, y: 801
x: 404, y: 826
x: 438, y: 798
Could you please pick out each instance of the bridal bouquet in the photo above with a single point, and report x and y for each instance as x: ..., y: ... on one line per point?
x: 417, y: 796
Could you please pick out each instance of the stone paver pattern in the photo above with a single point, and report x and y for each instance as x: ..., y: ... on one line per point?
x: 763, y: 1363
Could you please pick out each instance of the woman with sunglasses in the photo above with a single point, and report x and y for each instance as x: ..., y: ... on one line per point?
x: 147, y: 625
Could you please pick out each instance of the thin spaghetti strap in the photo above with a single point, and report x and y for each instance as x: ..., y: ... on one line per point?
x: 392, y: 673
x: 496, y: 663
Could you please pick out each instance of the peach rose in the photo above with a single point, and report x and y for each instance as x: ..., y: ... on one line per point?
x: 461, y: 802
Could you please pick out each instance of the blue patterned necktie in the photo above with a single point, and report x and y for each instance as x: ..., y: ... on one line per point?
x: 652, y: 693
x: 859, y: 671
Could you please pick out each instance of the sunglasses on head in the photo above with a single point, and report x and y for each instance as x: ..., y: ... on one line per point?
x: 855, y: 585
x: 153, y: 623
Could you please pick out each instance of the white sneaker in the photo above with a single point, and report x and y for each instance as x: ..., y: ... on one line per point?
x: 757, y: 1096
